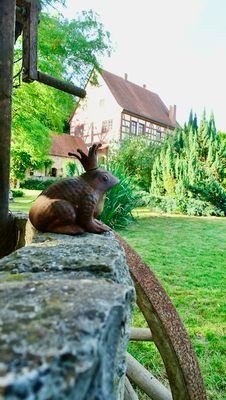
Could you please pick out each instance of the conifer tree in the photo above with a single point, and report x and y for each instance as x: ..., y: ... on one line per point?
x: 192, y: 164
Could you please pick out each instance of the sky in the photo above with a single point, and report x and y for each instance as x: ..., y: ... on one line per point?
x: 176, y: 47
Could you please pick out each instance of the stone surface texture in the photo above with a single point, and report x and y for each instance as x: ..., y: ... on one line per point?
x: 65, y: 315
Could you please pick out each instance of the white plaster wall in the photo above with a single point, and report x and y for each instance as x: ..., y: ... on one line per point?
x: 98, y: 106
x: 58, y: 163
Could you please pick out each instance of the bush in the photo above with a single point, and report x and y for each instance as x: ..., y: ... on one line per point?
x: 17, y: 193
x: 189, y: 206
x: 163, y: 203
x: 136, y: 156
x: 211, y: 192
x: 37, y: 183
x: 195, y: 207
x: 71, y: 169
x: 120, y: 201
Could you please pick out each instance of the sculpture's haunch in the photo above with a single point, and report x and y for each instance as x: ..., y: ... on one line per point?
x: 71, y: 205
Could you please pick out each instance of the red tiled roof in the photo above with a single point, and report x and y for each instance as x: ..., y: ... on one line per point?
x: 62, y: 144
x: 137, y: 100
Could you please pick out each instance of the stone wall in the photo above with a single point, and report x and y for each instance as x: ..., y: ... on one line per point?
x: 65, y: 315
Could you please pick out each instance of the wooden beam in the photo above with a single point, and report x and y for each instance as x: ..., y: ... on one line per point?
x: 7, y: 33
x: 129, y: 393
x: 145, y: 380
x: 60, y: 85
x: 140, y: 334
x: 30, y: 41
x: 22, y: 3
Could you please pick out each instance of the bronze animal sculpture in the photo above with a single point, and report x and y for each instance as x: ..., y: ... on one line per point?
x: 71, y: 205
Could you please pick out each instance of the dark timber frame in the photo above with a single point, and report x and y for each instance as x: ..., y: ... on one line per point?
x: 7, y: 29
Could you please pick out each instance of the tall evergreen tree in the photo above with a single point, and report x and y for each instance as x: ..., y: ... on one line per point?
x: 194, y: 158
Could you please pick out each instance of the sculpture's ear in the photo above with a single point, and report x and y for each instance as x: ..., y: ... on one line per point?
x: 89, y: 162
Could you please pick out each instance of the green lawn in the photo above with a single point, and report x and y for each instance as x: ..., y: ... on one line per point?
x: 188, y: 255
x: 24, y: 203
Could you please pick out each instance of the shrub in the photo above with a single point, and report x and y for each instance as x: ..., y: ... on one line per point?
x: 136, y: 156
x: 212, y: 192
x: 196, y: 207
x: 189, y: 206
x: 71, y: 168
x: 17, y: 193
x: 37, y: 183
x: 163, y: 203
x: 120, y: 201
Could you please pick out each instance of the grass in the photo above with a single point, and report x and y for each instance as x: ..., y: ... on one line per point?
x: 23, y: 204
x: 188, y: 255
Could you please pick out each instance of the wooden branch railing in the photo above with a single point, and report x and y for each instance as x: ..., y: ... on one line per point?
x: 145, y: 380
x: 140, y: 334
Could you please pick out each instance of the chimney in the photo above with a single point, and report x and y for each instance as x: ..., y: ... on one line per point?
x: 144, y: 86
x: 126, y: 77
x: 172, y: 113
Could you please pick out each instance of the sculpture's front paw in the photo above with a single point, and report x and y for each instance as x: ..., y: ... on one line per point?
x: 100, y: 223
x: 97, y: 227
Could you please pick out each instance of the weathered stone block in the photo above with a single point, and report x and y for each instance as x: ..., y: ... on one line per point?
x: 65, y: 312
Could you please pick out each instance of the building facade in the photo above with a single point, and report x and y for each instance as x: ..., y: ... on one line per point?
x: 117, y: 109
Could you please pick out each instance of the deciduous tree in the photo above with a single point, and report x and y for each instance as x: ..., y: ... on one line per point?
x: 67, y: 50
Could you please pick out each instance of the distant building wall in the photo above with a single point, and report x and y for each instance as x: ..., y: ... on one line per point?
x: 56, y: 169
x: 98, y: 117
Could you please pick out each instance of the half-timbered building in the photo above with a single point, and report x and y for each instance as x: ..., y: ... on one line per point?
x: 117, y: 109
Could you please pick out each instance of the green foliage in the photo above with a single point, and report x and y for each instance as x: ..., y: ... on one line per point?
x: 67, y: 50
x: 17, y: 193
x: 120, y: 201
x: 191, y: 167
x: 71, y: 168
x: 52, y: 2
x: 212, y: 192
x: 189, y: 206
x: 37, y: 183
x: 136, y: 156
x: 74, y: 46
x: 162, y: 203
x: 196, y: 207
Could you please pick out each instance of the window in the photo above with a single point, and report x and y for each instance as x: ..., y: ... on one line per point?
x: 126, y: 125
x: 53, y: 172
x: 158, y: 136
x: 140, y: 128
x: 107, y: 125
x: 110, y: 124
x: 163, y: 134
x: 133, y: 128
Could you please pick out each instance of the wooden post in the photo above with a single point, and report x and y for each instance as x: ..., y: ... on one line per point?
x: 140, y: 334
x: 30, y: 41
x: 7, y: 33
x: 129, y: 393
x: 145, y: 380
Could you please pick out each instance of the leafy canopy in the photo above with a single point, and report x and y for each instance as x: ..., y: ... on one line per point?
x: 67, y: 50
x: 136, y: 156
